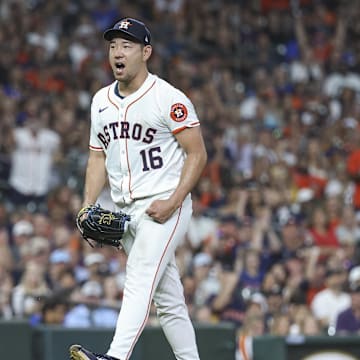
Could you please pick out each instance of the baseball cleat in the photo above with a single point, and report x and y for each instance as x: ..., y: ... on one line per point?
x: 77, y: 352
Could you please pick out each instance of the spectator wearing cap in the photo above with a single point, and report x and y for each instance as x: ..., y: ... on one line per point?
x: 354, y: 276
x: 85, y: 300
x: 95, y: 266
x: 329, y: 302
x: 93, y: 258
x: 66, y: 282
x: 256, y: 304
x: 89, y: 310
x: 253, y: 325
x: 205, y: 276
x: 59, y: 262
x: 21, y: 233
x: 22, y: 228
x: 291, y: 235
x: 60, y: 256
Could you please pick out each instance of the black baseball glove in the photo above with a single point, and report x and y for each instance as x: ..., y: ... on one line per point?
x: 103, y: 226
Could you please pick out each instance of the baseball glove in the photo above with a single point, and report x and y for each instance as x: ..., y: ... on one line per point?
x: 103, y: 226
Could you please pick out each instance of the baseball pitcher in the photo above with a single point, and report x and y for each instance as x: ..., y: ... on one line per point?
x: 146, y: 139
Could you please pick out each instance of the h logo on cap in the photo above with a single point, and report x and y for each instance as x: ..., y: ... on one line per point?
x: 124, y: 24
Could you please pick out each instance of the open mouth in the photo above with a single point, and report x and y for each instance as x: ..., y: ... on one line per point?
x: 119, y: 66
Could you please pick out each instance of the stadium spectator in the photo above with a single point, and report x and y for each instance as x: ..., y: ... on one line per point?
x: 348, y: 321
x: 253, y: 325
x: 31, y: 289
x: 310, y: 326
x: 88, y: 309
x: 322, y: 234
x: 35, y: 150
x: 252, y: 273
x: 53, y: 311
x: 112, y: 292
x: 329, y: 302
x: 280, y: 325
x: 353, y: 166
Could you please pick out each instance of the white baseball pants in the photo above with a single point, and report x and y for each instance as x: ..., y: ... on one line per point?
x: 152, y: 274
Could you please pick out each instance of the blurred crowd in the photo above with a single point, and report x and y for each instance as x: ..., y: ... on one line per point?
x: 273, y: 245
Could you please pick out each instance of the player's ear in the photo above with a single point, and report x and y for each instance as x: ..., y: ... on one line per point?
x: 147, y: 50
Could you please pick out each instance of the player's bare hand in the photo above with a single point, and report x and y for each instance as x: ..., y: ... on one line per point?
x: 161, y: 210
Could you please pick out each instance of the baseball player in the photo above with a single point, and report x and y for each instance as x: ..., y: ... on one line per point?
x: 145, y: 137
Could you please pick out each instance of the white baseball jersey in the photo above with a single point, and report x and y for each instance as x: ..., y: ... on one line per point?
x: 136, y: 133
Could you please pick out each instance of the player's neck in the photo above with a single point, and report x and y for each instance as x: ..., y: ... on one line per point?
x: 126, y: 88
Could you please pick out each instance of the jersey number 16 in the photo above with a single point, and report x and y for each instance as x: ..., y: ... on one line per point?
x: 150, y: 159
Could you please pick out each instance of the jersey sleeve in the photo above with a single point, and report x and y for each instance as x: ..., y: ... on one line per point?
x: 179, y: 112
x: 94, y: 143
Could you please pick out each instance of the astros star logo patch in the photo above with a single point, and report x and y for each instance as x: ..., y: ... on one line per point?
x: 178, y: 112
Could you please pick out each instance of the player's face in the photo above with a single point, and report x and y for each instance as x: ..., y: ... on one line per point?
x: 127, y: 59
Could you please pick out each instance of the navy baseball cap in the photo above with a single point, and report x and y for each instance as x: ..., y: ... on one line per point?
x: 134, y: 29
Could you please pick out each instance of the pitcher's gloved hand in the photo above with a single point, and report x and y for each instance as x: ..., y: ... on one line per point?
x: 103, y: 226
